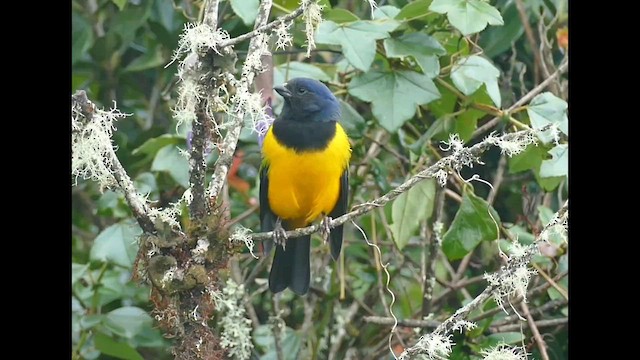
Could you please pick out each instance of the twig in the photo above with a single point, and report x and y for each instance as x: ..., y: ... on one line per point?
x: 430, y: 261
x: 392, y: 151
x: 542, y: 346
x: 138, y: 207
x: 551, y: 305
x: 555, y: 285
x: 523, y: 100
x: 497, y: 179
x: 379, y: 320
x: 538, y: 324
x: 264, y: 27
x: 278, y: 327
x: 524, y: 18
x: 506, y: 271
x: 244, y: 215
x: 443, y: 164
x: 236, y: 274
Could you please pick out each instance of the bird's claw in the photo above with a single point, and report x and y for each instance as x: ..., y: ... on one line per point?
x: 279, y: 234
x: 325, y: 228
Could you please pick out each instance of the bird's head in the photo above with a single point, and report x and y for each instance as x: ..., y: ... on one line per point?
x: 308, y: 100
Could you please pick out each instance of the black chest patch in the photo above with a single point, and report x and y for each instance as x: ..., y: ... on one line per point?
x: 304, y: 136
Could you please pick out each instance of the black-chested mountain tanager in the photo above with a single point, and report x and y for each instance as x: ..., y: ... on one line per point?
x: 303, y: 178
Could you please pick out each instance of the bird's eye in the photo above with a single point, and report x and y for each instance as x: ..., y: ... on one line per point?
x: 302, y: 91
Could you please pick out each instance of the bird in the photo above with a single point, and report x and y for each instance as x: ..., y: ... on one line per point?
x: 304, y: 176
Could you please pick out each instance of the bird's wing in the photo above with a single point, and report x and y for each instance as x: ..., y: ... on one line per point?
x: 339, y: 210
x: 267, y: 217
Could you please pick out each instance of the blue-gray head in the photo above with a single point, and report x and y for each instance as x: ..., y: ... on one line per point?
x: 308, y: 100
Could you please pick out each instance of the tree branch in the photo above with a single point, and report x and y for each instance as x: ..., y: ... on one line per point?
x: 138, y: 207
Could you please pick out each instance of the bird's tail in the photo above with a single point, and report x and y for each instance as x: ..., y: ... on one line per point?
x: 291, y: 266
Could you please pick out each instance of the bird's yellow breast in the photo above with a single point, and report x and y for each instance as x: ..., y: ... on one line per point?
x: 303, y: 185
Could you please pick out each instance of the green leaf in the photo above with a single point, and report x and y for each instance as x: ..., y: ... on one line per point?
x: 471, y: 225
x: 120, y: 3
x: 545, y: 109
x: 169, y: 159
x: 127, y: 321
x: 78, y: 271
x: 502, y: 338
x: 340, y: 16
x: 117, y: 244
x: 468, y: 16
x: 81, y: 37
x: 294, y: 69
x: 151, y: 146
x: 558, y: 165
x: 150, y: 59
x: 89, y: 321
x: 351, y: 120
x: 385, y: 12
x: 394, y: 95
x: 247, y: 10
x: 145, y: 183
x: 126, y: 23
x: 409, y: 209
x: 424, y: 49
x: 530, y: 158
x: 545, y: 214
x: 470, y: 73
x: 119, y: 350
x: 112, y: 204
x: 414, y: 9
x: 357, y: 39
x: 291, y: 343
x: 496, y: 40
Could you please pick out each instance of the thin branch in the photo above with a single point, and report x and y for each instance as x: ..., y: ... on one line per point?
x: 523, y: 100
x: 551, y: 305
x: 506, y: 271
x: 538, y: 324
x: 211, y: 13
x: 379, y: 320
x: 278, y: 327
x: 264, y: 27
x: 443, y: 164
x: 542, y: 346
x: 138, y: 207
x: 524, y: 18
x: 497, y: 179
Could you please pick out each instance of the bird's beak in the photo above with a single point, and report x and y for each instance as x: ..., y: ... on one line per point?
x: 283, y: 91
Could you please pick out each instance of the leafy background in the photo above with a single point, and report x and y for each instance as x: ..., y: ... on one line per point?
x: 418, y: 72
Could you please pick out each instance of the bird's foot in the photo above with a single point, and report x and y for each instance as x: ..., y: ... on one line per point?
x: 279, y: 234
x: 325, y: 228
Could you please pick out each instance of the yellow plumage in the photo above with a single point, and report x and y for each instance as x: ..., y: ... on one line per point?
x: 303, y: 185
